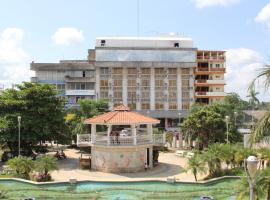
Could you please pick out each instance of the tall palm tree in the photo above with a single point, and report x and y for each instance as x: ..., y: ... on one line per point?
x: 253, y: 100
x: 262, y: 128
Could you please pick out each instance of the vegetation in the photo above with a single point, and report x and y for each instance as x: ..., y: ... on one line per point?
x: 206, y: 123
x: 44, y: 164
x: 211, y: 160
x: 262, y: 186
x: 88, y: 108
x: 21, y: 166
x: 196, y: 165
x: 42, y: 115
x: 38, y: 170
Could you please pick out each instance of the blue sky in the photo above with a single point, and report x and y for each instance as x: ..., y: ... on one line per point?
x: 27, y: 27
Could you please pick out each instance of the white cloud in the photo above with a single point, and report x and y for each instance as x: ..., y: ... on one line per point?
x: 242, y: 67
x: 67, y: 36
x: 264, y: 16
x: 14, y: 61
x: 209, y: 3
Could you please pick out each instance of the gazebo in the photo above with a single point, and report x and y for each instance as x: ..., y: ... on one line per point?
x: 126, y: 145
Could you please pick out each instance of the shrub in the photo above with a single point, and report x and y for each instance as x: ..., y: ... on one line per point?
x: 21, y: 166
x: 45, y: 163
x: 39, y: 177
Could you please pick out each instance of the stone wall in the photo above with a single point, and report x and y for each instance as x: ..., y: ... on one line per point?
x: 119, y: 159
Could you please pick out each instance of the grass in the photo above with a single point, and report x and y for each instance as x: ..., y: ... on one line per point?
x: 5, y: 176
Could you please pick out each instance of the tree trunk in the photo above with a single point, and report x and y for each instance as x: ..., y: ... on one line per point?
x: 195, y: 176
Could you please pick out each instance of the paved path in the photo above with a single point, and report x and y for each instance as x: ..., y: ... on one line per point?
x: 169, y: 165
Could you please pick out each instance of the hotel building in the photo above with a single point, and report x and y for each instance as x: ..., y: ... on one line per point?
x: 157, y: 76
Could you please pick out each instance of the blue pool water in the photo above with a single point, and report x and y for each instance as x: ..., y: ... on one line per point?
x: 120, y: 191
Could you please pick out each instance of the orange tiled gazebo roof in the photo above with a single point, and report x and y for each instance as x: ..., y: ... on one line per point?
x: 121, y: 115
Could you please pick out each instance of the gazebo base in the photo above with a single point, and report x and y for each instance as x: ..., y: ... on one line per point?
x: 121, y: 159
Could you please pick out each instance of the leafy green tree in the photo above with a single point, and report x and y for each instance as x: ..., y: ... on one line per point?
x: 207, y: 125
x: 46, y: 163
x: 196, y: 165
x: 88, y: 108
x: 21, y: 166
x: 42, y: 115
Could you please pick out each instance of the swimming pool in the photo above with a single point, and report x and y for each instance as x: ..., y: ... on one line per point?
x: 225, y: 189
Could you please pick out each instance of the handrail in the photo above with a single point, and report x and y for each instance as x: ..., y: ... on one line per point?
x: 101, y: 139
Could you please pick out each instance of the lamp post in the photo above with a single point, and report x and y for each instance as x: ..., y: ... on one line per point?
x: 227, y: 118
x: 235, y: 115
x: 179, y: 117
x: 251, y: 167
x: 19, y: 138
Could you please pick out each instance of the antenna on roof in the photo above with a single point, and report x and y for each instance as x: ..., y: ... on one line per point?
x: 138, y: 17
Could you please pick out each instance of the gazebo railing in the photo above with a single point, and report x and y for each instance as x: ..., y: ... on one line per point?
x: 83, y: 140
x: 102, y: 139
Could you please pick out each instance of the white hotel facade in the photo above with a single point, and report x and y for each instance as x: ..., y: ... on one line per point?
x: 157, y: 76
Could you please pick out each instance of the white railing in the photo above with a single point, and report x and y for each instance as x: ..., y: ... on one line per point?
x: 83, y: 140
x: 102, y: 139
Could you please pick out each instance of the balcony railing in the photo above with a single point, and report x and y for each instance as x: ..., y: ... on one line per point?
x: 211, y: 57
x: 84, y: 140
x: 201, y: 69
x: 213, y: 94
x: 212, y: 81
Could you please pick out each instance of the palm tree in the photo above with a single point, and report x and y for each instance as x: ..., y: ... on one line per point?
x: 21, y: 166
x: 46, y: 163
x: 196, y: 165
x: 253, y: 100
x: 263, y: 126
x: 262, y: 186
x: 213, y: 158
x: 265, y: 73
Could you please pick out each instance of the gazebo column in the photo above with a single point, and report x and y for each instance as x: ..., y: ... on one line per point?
x: 134, y: 134
x: 150, y: 132
x: 93, y: 133
x: 109, y: 134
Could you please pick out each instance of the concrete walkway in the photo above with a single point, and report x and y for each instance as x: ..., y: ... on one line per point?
x: 169, y: 165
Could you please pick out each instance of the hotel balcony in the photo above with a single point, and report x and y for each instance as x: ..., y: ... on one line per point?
x: 101, y: 138
x: 69, y: 79
x: 80, y: 92
x: 202, y: 71
x: 209, y: 94
x: 212, y: 58
x: 209, y: 82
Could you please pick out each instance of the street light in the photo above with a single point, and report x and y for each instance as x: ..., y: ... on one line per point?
x: 235, y: 115
x: 19, y: 139
x: 227, y: 118
x: 251, y: 167
x: 179, y: 117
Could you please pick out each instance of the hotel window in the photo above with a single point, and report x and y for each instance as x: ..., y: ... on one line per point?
x: 185, y: 106
x: 145, y: 106
x: 172, y: 106
x: 104, y: 83
x: 159, y: 106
